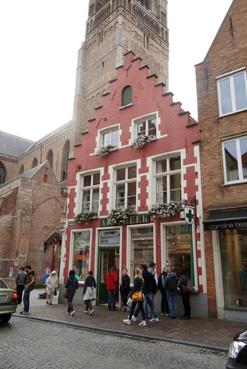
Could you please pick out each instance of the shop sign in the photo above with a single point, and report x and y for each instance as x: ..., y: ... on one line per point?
x: 226, y: 225
x: 132, y: 219
x: 189, y: 215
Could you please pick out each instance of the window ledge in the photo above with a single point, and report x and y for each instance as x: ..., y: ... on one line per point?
x: 234, y: 184
x: 126, y: 106
x: 232, y: 113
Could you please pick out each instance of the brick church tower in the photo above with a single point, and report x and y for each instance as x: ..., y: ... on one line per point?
x: 115, y: 27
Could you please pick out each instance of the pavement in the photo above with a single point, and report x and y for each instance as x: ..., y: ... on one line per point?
x: 207, y: 333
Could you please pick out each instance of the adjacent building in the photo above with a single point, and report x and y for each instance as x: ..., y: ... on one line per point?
x: 222, y: 108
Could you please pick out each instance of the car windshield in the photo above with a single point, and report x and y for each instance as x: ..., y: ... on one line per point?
x: 2, y: 284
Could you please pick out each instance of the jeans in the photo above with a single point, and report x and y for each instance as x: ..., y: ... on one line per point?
x: 139, y: 308
x: 164, y: 303
x: 19, y: 290
x: 186, y: 303
x: 26, y: 297
x: 148, y: 301
x: 112, y: 300
x: 70, y: 303
x: 172, y: 302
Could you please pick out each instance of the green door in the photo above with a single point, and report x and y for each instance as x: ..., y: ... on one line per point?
x: 107, y: 258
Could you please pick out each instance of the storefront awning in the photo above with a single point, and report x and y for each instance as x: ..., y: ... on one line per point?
x: 226, y: 219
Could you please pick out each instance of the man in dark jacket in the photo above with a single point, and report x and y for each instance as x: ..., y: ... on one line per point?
x: 20, y: 283
x: 171, y: 285
x: 125, y: 288
x: 161, y: 286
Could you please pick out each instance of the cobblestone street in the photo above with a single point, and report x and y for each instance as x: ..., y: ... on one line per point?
x: 26, y: 344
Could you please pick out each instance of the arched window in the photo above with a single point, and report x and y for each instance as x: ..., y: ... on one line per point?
x: 34, y: 163
x: 2, y: 173
x: 49, y: 157
x: 126, y: 96
x: 21, y: 169
x: 65, y: 158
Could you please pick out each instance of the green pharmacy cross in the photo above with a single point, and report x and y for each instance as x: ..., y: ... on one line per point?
x: 189, y: 215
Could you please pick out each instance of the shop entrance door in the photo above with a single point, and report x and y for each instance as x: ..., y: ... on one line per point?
x: 107, y: 258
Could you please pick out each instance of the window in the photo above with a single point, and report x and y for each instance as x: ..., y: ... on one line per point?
x: 34, y: 163
x: 142, y: 247
x: 146, y: 126
x: 234, y: 267
x: 2, y: 173
x: 126, y: 96
x: 110, y: 138
x: 81, y: 249
x: 232, y: 91
x: 235, y: 160
x: 125, y: 187
x: 90, y: 193
x: 168, y: 179
x: 178, y: 247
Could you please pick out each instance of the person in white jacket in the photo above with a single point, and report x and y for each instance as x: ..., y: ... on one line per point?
x: 52, y: 284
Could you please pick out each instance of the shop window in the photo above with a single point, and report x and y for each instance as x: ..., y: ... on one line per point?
x: 2, y: 173
x: 168, y: 179
x: 232, y: 93
x: 90, y: 192
x: 142, y: 247
x: 81, y: 250
x: 234, y: 267
x: 178, y: 247
x: 125, y: 187
x: 109, y: 137
x: 146, y: 126
x: 235, y: 160
x: 126, y: 97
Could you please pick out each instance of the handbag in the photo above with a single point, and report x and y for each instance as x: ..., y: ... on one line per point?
x: 137, y: 296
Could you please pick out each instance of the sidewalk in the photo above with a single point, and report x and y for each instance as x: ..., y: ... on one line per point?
x: 209, y: 333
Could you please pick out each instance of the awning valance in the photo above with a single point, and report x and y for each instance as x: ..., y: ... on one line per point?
x: 226, y: 219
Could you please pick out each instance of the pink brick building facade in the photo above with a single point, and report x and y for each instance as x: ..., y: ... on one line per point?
x: 109, y: 173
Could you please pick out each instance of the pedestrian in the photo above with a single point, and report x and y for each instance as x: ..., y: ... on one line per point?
x: 186, y: 289
x: 51, y: 286
x: 20, y: 283
x: 171, y: 286
x: 71, y: 286
x: 112, y: 288
x: 89, y: 293
x: 137, y: 299
x: 125, y: 288
x: 29, y: 284
x: 161, y: 285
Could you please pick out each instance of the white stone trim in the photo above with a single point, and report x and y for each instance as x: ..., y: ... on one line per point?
x: 218, y: 275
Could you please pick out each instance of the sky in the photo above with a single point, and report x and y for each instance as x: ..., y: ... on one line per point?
x: 39, y: 41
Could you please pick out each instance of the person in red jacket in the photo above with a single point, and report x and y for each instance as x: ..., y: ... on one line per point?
x: 112, y: 288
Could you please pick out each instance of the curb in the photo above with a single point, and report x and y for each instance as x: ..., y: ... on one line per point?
x: 130, y: 335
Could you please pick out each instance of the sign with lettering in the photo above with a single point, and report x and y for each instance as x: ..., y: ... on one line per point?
x: 132, y: 219
x: 225, y: 225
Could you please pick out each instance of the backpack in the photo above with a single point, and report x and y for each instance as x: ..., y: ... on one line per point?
x: 172, y: 283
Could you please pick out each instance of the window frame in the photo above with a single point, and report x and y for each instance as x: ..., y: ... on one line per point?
x: 122, y: 96
x: 90, y: 188
x: 230, y: 77
x: 167, y: 174
x: 126, y: 181
x: 239, y: 161
x: 110, y: 131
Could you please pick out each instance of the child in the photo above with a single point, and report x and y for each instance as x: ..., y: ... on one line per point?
x: 89, y: 292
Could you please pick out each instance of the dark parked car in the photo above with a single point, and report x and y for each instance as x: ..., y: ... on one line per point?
x: 238, y: 352
x: 8, y: 302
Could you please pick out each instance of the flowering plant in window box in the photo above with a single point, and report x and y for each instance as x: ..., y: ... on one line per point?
x: 120, y: 216
x: 142, y: 140
x: 166, y: 210
x: 85, y: 218
x: 105, y: 150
